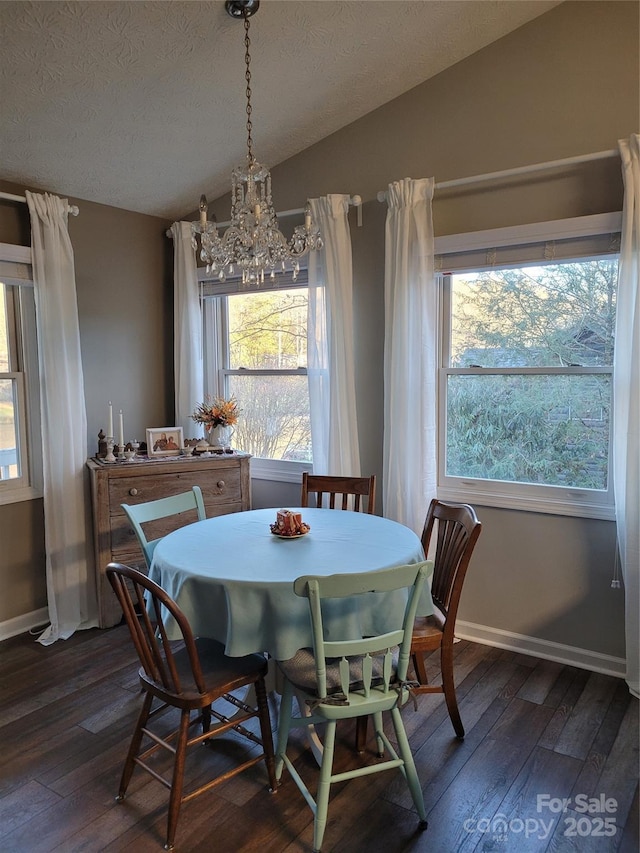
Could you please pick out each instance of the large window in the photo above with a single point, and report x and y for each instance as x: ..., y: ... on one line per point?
x: 258, y: 354
x: 19, y: 459
x: 526, y: 376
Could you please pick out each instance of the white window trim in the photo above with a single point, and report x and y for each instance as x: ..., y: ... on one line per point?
x: 278, y: 470
x: 275, y: 470
x: 555, y: 500
x: 30, y: 485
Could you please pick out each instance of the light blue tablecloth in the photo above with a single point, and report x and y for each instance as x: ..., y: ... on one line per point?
x: 234, y: 579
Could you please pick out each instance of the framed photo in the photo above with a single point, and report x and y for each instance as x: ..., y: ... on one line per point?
x: 164, y: 441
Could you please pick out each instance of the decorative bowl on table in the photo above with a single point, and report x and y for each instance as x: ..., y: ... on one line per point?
x: 289, y: 525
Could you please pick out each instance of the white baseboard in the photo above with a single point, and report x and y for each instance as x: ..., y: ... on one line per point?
x: 570, y: 655
x: 24, y: 623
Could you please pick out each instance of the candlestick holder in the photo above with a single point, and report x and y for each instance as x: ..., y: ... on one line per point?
x: 121, y: 451
x: 110, y: 445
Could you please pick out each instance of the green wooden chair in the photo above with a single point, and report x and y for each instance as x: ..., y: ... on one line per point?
x: 341, y: 679
x: 140, y: 514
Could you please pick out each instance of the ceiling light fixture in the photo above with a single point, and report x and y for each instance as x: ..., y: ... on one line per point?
x: 253, y: 241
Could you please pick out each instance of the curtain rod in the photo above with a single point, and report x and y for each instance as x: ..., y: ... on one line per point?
x: 518, y: 170
x: 72, y: 208
x: 354, y: 201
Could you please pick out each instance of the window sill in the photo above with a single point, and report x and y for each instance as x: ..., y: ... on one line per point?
x: 278, y: 470
x: 474, y: 494
x: 18, y: 495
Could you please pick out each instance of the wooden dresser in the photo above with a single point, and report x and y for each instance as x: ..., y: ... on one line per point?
x: 226, y: 487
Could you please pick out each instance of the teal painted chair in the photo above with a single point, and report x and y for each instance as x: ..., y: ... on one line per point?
x: 341, y: 679
x: 139, y: 514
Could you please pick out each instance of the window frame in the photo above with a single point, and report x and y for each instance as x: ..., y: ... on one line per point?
x: 214, y: 295
x: 23, y: 349
x: 559, y: 500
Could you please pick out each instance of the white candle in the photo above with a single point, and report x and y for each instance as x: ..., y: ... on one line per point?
x: 110, y: 430
x: 121, y: 440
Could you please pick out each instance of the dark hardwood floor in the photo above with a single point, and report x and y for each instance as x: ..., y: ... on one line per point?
x: 538, y: 733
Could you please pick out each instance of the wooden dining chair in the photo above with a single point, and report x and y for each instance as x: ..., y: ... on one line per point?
x: 457, y: 531
x: 341, y: 679
x: 150, y: 511
x: 357, y: 493
x: 189, y: 675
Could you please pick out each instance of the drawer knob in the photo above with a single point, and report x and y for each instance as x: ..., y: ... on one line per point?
x: 133, y: 492
x: 220, y: 484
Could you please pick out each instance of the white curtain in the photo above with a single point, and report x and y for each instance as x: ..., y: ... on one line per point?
x: 410, y: 363
x: 626, y: 379
x: 330, y: 354
x: 187, y: 324
x: 71, y: 590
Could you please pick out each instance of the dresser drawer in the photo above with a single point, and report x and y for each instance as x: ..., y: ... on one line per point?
x: 124, y: 540
x: 218, y: 487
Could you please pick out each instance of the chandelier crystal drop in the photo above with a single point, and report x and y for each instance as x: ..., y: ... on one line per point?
x: 253, y: 241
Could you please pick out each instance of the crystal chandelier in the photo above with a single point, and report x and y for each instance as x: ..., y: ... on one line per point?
x: 253, y: 241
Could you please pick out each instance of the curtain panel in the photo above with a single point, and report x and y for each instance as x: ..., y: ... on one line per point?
x: 330, y: 350
x: 71, y: 591
x: 410, y: 354
x: 626, y: 420
x: 187, y: 325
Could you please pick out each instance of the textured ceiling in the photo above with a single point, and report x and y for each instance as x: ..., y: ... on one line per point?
x: 141, y: 105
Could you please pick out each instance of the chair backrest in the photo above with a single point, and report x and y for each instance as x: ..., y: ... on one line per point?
x: 351, y: 490
x: 140, y: 514
x: 457, y: 532
x: 318, y: 589
x: 142, y: 601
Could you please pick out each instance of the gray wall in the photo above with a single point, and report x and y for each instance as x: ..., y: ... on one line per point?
x: 564, y: 84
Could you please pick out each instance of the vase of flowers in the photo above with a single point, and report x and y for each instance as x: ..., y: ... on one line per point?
x: 217, y: 415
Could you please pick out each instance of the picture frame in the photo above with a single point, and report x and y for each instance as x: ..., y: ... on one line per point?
x: 164, y: 441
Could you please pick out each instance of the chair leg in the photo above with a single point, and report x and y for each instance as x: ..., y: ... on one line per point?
x: 206, y: 722
x: 449, y: 689
x: 361, y: 733
x: 378, y: 723
x: 324, y: 786
x: 410, y: 772
x: 418, y: 665
x: 175, y: 800
x: 283, y: 727
x: 134, y: 746
x: 265, y: 731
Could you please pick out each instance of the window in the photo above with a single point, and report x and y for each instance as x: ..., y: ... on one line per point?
x: 19, y: 424
x: 258, y: 354
x: 525, y: 384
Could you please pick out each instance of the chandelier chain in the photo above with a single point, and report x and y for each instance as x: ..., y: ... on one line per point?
x: 247, y: 75
x: 253, y: 243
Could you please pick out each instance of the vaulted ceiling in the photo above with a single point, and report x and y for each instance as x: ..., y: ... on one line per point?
x: 141, y: 105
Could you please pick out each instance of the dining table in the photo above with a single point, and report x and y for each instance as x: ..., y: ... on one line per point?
x: 233, y: 577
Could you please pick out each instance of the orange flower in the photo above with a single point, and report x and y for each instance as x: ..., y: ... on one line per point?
x: 216, y: 412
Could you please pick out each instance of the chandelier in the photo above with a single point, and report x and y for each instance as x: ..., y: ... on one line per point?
x: 253, y: 241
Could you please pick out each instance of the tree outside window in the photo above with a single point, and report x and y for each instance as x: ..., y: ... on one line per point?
x: 267, y: 357
x: 528, y: 384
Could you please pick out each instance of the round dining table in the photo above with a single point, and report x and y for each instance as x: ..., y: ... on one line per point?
x: 233, y: 578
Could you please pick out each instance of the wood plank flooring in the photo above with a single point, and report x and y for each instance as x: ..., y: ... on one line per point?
x: 537, y: 733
